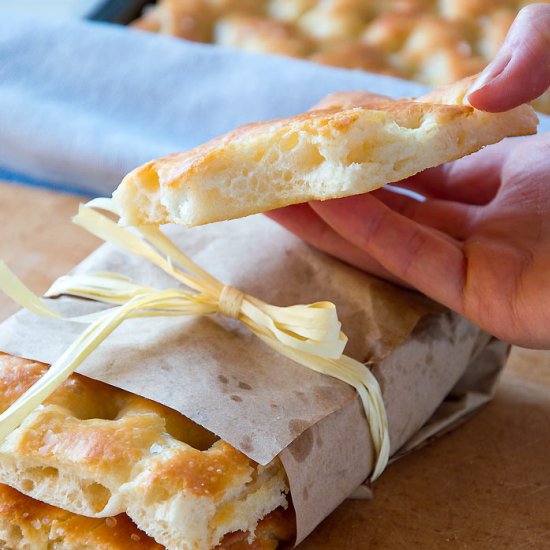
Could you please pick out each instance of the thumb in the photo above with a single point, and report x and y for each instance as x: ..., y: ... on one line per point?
x: 521, y: 70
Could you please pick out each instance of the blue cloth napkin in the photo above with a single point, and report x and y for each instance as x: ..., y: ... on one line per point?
x: 83, y: 103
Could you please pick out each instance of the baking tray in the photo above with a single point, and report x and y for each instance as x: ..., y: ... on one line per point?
x: 118, y: 11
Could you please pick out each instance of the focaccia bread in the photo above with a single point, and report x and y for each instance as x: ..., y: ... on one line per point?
x: 348, y: 144
x: 432, y: 42
x: 99, y: 451
x: 28, y: 524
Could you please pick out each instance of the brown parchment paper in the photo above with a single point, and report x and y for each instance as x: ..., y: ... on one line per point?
x: 217, y: 373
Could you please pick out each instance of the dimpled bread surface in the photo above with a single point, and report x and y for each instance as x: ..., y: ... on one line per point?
x: 348, y: 144
x: 432, y: 41
x: 98, y: 451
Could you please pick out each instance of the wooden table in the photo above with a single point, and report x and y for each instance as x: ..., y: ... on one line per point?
x: 486, y: 485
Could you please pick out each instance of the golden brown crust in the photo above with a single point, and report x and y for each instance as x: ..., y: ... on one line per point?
x: 259, y: 34
x: 278, y: 526
x: 90, y: 399
x: 191, y: 19
x: 356, y: 55
x: 40, y: 524
x: 200, y: 472
x: 98, y: 444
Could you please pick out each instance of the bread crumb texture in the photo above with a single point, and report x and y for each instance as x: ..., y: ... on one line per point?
x: 349, y: 143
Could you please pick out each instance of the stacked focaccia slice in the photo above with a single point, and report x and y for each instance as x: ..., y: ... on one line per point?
x: 96, y: 457
x: 28, y: 524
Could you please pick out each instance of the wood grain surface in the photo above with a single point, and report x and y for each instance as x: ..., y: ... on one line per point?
x: 485, y: 485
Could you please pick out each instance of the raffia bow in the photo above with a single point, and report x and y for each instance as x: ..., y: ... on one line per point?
x: 307, y: 334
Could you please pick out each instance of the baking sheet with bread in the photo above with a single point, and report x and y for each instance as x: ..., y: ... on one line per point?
x: 349, y: 143
x: 434, y: 42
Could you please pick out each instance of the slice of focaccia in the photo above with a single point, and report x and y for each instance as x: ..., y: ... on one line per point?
x: 28, y: 524
x: 99, y: 451
x: 348, y: 144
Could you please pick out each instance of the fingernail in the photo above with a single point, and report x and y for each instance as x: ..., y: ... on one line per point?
x: 482, y: 80
x: 492, y: 71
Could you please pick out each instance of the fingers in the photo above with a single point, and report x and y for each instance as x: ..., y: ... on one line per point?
x: 302, y: 220
x: 525, y: 179
x: 521, y: 70
x: 474, y: 179
x: 416, y: 254
x: 452, y: 218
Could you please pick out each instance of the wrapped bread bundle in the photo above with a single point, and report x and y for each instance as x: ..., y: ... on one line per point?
x: 286, y: 438
x: 237, y: 430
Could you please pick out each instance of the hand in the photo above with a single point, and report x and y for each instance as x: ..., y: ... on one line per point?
x: 521, y: 70
x: 479, y: 243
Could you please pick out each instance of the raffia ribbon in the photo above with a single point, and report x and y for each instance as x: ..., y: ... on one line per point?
x: 307, y: 334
